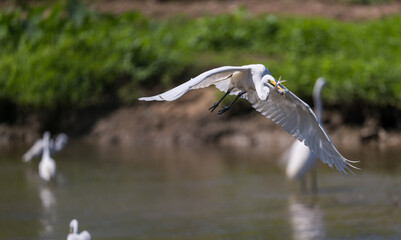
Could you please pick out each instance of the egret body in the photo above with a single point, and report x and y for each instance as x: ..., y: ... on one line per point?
x: 47, y: 166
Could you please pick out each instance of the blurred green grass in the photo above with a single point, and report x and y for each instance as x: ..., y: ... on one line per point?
x: 66, y: 55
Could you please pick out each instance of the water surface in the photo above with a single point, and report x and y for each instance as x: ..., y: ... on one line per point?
x: 125, y: 193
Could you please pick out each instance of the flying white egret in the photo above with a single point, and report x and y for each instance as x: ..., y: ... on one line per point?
x: 74, y: 235
x: 300, y: 160
x: 55, y: 145
x: 269, y: 97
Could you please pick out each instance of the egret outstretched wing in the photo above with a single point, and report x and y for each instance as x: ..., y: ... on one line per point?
x: 298, y: 119
x: 54, y: 146
x: 34, y: 151
x: 219, y: 76
x: 59, y: 142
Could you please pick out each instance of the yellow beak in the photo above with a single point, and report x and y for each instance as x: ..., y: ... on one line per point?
x: 272, y: 82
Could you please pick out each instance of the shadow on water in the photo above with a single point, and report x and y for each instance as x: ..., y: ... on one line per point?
x: 125, y: 193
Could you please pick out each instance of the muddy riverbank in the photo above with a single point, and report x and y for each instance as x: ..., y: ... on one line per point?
x: 187, y: 122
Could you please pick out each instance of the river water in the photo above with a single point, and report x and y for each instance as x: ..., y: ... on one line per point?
x: 126, y: 193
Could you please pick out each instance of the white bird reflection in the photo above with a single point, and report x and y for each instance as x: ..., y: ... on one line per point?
x: 306, y: 219
x: 48, y: 200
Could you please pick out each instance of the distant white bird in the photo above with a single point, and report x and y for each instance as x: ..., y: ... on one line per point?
x: 44, y: 146
x: 74, y: 235
x: 300, y: 160
x: 47, y: 166
x: 269, y: 97
x: 55, y: 145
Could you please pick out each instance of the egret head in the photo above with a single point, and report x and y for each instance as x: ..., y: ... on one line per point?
x: 266, y: 82
x: 46, y: 134
x: 320, y: 83
x: 73, y: 226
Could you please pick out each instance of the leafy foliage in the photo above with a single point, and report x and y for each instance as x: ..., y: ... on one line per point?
x: 360, y: 60
x: 71, y: 56
x: 68, y: 55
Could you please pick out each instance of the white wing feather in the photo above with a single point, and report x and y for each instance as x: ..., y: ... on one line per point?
x: 298, y: 119
x: 219, y: 76
x: 85, y: 235
x: 59, y: 142
x: 54, y: 146
x: 34, y: 151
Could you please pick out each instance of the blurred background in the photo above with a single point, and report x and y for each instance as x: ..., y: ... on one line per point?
x: 173, y: 170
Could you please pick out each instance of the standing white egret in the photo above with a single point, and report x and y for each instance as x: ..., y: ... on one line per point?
x: 58, y: 143
x: 300, y: 160
x: 74, y: 235
x: 269, y: 97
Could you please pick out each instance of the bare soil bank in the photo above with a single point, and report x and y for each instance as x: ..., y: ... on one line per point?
x: 336, y: 9
x: 187, y: 122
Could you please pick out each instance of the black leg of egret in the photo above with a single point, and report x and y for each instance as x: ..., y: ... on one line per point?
x: 302, y: 184
x: 225, y: 108
x: 314, y: 180
x: 215, y: 105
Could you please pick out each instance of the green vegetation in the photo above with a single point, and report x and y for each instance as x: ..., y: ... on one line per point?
x: 66, y: 55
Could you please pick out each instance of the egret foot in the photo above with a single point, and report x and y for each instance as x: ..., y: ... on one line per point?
x: 223, y: 109
x: 212, y: 108
x: 216, y: 104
